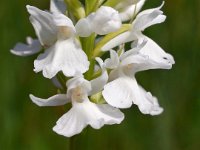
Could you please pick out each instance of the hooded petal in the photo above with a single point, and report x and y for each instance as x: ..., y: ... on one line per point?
x: 105, y: 20
x: 87, y: 113
x: 58, y: 6
x: 148, y: 18
x: 78, y: 88
x: 98, y: 83
x: 33, y: 46
x: 65, y: 27
x: 44, y: 25
x: 56, y: 100
x: 148, y: 104
x: 61, y: 20
x: 65, y: 56
x: 121, y: 93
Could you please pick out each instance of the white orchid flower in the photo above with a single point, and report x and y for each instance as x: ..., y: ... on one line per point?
x: 33, y: 46
x: 105, y: 20
x: 142, y: 21
x: 83, y: 112
x: 63, y: 53
x: 123, y: 90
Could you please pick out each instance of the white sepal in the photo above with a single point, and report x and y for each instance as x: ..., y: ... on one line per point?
x: 33, y: 46
x: 44, y: 26
x: 56, y: 100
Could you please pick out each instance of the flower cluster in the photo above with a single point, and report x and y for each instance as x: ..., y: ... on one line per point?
x: 74, y: 39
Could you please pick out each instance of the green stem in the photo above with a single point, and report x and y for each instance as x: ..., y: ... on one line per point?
x: 88, y: 47
x: 72, y: 143
x: 62, y: 80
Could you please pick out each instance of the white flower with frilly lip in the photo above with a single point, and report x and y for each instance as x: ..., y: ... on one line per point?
x: 56, y: 32
x: 122, y: 91
x: 83, y: 112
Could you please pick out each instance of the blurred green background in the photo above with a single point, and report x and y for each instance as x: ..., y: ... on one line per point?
x: 25, y: 126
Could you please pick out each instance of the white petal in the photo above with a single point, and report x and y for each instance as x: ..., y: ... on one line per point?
x: 148, y: 18
x: 87, y: 113
x: 65, y: 56
x: 105, y: 20
x: 58, y: 6
x: 121, y: 92
x: 56, y: 100
x: 44, y: 26
x: 113, y: 61
x: 98, y: 83
x: 131, y: 10
x: 33, y: 46
x: 149, y: 104
x: 83, y: 28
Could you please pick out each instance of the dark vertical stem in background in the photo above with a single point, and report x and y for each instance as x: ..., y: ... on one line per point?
x: 72, y: 143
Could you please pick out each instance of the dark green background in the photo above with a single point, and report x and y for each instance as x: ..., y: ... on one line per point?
x: 24, y: 126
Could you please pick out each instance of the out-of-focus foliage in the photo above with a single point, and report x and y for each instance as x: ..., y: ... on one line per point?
x: 25, y: 126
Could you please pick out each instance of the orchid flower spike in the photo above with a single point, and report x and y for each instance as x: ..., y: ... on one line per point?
x: 73, y: 36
